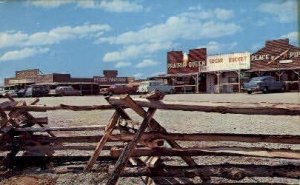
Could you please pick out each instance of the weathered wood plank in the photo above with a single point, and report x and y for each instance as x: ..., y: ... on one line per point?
x: 46, y: 129
x: 233, y: 108
x: 44, y: 108
x: 229, y: 171
x: 221, y: 151
x: 251, y: 138
x: 108, y: 131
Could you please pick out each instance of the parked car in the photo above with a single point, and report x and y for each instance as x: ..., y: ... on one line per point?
x: 2, y: 91
x: 119, y: 89
x: 149, y: 86
x: 64, y: 91
x: 37, y: 91
x: 264, y: 84
x: 12, y: 93
x: 21, y: 92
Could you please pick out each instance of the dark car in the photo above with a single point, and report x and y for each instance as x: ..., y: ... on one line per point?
x: 119, y: 89
x: 263, y: 84
x: 37, y: 91
x: 21, y: 93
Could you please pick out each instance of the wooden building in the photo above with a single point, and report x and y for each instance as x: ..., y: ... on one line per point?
x: 280, y: 59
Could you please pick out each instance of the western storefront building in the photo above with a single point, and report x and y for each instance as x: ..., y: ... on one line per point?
x: 280, y: 59
x: 224, y: 72
x: 183, y: 70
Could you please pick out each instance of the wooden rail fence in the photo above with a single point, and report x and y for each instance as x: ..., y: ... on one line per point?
x: 139, y: 148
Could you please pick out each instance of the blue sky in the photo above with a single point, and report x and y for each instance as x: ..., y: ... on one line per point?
x: 84, y: 37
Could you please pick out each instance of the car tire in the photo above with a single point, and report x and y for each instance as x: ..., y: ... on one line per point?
x: 265, y: 90
x: 249, y: 92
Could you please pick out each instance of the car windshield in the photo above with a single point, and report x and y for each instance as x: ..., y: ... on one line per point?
x: 255, y: 79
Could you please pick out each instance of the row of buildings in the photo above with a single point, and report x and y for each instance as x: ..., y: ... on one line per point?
x: 87, y: 86
x: 202, y: 73
x: 194, y: 72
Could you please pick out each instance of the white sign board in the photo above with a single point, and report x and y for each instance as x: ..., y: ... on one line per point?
x: 227, y: 62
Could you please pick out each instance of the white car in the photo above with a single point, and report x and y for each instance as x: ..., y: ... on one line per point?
x: 149, y: 86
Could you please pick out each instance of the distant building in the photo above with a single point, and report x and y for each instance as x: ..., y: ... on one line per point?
x: 88, y: 86
x: 110, y: 77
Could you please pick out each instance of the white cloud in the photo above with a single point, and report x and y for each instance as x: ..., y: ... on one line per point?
x: 292, y: 36
x: 23, y: 53
x: 54, y: 36
x: 284, y: 12
x: 224, y: 14
x: 195, y: 24
x: 134, y: 51
x: 260, y: 23
x: 138, y: 75
x: 214, y: 47
x: 158, y: 73
x: 177, y: 27
x: 146, y: 63
x: 123, y: 64
x: 107, y: 5
x: 49, y: 3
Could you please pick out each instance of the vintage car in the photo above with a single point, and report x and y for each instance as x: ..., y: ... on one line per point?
x: 36, y: 91
x: 119, y: 89
x: 264, y: 84
x: 64, y: 91
x: 149, y: 86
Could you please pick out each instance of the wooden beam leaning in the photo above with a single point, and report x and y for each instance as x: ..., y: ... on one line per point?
x: 128, y: 101
x: 219, y: 107
x: 124, y: 157
x: 108, y: 131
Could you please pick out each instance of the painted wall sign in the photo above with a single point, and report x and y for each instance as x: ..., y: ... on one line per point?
x: 235, y: 61
x: 109, y: 81
x: 178, y: 62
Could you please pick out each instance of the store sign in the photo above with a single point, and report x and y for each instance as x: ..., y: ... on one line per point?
x: 235, y: 61
x: 268, y: 57
x: 178, y: 62
x: 110, y: 81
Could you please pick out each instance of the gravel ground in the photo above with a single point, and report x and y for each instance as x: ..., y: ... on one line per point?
x: 184, y: 122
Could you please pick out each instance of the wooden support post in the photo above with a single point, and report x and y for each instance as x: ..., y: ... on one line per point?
x: 218, y: 82
x: 112, y: 123
x: 197, y: 83
x: 123, y: 159
x: 298, y: 80
x: 239, y: 80
x: 154, y: 125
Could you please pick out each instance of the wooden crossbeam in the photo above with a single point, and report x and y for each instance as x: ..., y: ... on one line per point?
x: 124, y: 157
x: 154, y: 125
